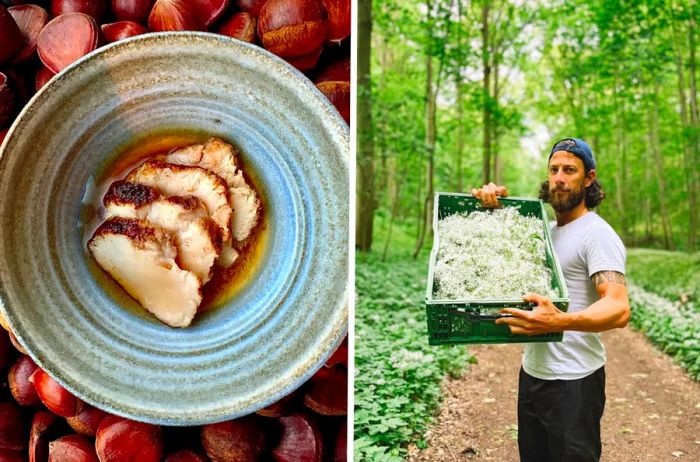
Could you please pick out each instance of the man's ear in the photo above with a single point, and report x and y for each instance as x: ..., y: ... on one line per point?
x: 590, y: 178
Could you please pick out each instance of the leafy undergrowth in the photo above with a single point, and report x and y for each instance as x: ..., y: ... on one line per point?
x: 669, y: 325
x: 397, y: 375
x: 673, y: 275
x: 665, y: 301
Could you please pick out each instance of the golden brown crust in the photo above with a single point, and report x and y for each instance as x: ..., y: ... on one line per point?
x: 138, y: 231
x: 123, y: 192
x: 189, y: 203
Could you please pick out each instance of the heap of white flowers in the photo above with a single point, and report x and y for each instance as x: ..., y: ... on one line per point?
x: 495, y: 254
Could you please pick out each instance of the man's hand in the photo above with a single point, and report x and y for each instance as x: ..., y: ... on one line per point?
x: 488, y: 193
x: 544, y: 318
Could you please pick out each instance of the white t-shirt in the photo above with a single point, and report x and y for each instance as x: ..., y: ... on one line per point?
x: 584, y: 247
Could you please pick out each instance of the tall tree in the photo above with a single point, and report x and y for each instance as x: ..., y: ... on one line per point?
x: 365, y: 153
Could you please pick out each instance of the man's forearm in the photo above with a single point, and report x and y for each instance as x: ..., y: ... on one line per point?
x: 605, y: 314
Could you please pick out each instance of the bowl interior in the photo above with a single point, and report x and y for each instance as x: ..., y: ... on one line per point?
x: 249, y: 349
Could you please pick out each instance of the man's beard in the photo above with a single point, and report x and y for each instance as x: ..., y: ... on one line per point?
x: 566, y: 199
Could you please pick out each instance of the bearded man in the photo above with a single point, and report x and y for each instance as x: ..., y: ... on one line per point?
x: 561, y: 390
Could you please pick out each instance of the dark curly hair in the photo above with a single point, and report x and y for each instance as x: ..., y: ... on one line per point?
x: 593, y: 197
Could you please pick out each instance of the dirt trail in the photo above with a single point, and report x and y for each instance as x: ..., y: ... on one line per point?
x: 652, y: 411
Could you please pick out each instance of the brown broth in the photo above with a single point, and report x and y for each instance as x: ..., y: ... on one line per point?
x: 225, y: 282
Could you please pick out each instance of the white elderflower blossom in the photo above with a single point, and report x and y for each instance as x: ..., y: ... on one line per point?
x: 496, y: 254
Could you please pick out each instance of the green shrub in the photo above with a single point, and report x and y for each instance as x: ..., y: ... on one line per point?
x: 398, y: 376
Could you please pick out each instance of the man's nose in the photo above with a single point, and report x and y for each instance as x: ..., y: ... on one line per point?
x: 558, y: 176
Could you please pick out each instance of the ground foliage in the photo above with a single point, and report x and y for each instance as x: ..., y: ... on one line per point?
x: 398, y: 376
x: 663, y: 304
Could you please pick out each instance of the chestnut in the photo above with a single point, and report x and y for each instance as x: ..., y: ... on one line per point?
x: 30, y: 19
x: 43, y: 75
x: 11, y: 428
x: 328, y: 393
x: 22, y: 389
x: 281, y: 407
x: 56, y: 398
x: 7, y: 100
x: 301, y: 440
x: 208, y: 11
x: 120, y: 30
x: 168, y: 15
x: 123, y: 440
x: 132, y: 10
x: 43, y: 423
x: 65, y: 39
x: 234, y: 440
x: 87, y: 420
x: 93, y: 8
x: 240, y: 26
x: 293, y: 28
x: 339, y: 18
x: 72, y: 448
x: 251, y: 6
x: 10, y: 36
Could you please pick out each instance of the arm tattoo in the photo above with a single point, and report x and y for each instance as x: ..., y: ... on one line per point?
x: 608, y: 276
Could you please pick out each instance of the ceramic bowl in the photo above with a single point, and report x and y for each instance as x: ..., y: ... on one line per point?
x: 249, y: 349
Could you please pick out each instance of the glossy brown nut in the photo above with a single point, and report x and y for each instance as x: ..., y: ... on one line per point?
x: 301, y: 440
x: 234, y: 440
x: 72, y: 448
x: 340, y: 452
x: 171, y: 15
x: 132, y: 10
x: 240, y: 26
x: 22, y: 389
x: 30, y: 19
x: 120, y: 30
x: 339, y: 18
x: 93, y: 8
x: 251, y: 6
x: 66, y: 39
x: 123, y: 440
x: 328, y: 393
x: 87, y: 420
x: 43, y: 75
x: 10, y: 36
x: 338, y: 93
x: 208, y: 11
x: 56, y: 398
x: 293, y: 28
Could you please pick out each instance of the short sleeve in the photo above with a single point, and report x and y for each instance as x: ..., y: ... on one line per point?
x: 604, y: 251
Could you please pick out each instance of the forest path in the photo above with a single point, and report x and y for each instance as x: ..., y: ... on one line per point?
x: 652, y: 411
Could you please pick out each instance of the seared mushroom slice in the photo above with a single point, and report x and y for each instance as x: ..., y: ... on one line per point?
x: 180, y: 180
x: 196, y: 236
x: 219, y: 157
x: 141, y: 258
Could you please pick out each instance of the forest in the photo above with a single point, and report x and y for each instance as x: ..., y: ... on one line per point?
x: 453, y: 94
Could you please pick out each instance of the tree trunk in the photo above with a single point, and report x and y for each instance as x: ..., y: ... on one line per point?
x: 395, y: 201
x: 430, y: 109
x: 460, y: 112
x: 694, y: 157
x: 486, y: 91
x: 659, y: 168
x: 365, y: 152
x: 459, y: 150
x: 619, y: 142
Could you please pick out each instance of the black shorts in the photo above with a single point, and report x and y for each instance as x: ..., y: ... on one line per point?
x: 559, y: 420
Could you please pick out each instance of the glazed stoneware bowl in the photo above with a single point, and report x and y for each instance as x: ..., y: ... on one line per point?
x: 246, y: 351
